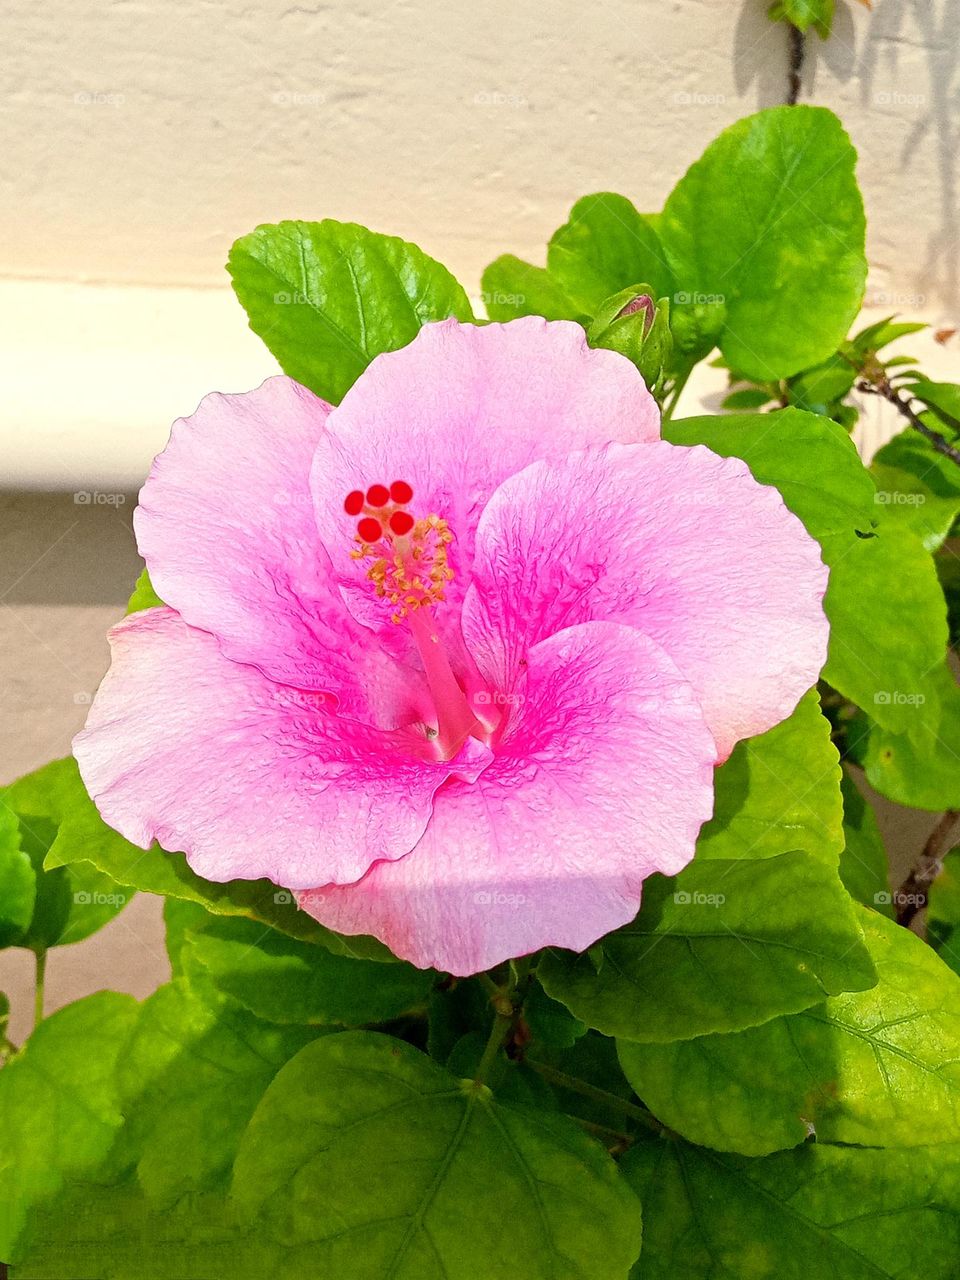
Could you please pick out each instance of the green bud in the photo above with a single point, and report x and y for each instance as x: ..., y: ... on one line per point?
x: 633, y: 323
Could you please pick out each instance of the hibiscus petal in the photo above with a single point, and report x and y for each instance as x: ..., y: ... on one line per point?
x: 605, y: 777
x: 456, y: 412
x: 226, y: 526
x: 249, y: 778
x: 678, y: 542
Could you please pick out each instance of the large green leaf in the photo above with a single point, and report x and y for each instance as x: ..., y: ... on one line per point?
x: 864, y: 869
x: 878, y: 1068
x: 59, y: 1109
x: 71, y: 902
x: 326, y: 297
x: 368, y: 1160
x: 883, y: 642
x: 286, y: 981
x: 723, y: 946
x: 819, y: 1211
x: 190, y: 1077
x: 512, y: 288
x: 18, y: 881
x: 943, y: 914
x: 770, y: 224
x: 604, y: 247
x: 779, y: 791
x: 83, y: 837
x: 918, y: 486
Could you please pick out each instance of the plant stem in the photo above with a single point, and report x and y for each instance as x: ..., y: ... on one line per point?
x: 587, y: 1090
x: 913, y: 893
x: 41, y: 971
x: 795, y: 67
x: 882, y: 387
x: 674, y: 393
x: 602, y: 1131
x: 507, y: 1001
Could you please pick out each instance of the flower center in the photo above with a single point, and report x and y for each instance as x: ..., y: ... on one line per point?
x: 408, y: 567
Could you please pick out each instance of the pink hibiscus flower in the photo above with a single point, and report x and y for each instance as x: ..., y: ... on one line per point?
x: 458, y: 657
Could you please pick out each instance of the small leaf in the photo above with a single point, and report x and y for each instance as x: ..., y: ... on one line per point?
x: 863, y: 863
x: 606, y: 246
x: 512, y: 288
x: 326, y: 297
x: 18, y: 881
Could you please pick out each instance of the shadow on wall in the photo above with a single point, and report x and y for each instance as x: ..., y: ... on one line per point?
x: 871, y: 53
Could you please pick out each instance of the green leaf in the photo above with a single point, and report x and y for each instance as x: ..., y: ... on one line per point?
x: 918, y: 486
x: 144, y: 596
x: 819, y: 1211
x: 512, y: 288
x: 882, y: 642
x: 398, y: 1169
x: 550, y: 1023
x: 943, y: 911
x: 748, y: 398
x: 18, y: 881
x: 286, y: 981
x: 59, y: 1111
x: 919, y: 766
x: 190, y: 1077
x: 83, y: 837
x: 779, y: 791
x: 115, y: 1233
x: 879, y: 1068
x: 769, y: 225
x: 817, y: 388
x: 864, y: 869
x: 723, y: 946
x: 606, y: 246
x: 71, y: 903
x: 326, y: 297
x: 804, y: 14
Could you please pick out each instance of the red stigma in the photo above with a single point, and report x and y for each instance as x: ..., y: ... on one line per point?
x: 353, y: 503
x: 400, y: 492
x: 370, y: 529
x: 401, y: 522
x: 378, y: 495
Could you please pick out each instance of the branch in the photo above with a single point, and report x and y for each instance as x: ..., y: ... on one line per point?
x: 795, y: 66
x: 883, y: 388
x: 911, y: 897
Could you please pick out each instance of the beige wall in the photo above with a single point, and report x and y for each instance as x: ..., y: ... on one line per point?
x: 142, y: 136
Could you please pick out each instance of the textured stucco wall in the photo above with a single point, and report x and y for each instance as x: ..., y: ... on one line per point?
x: 141, y: 136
